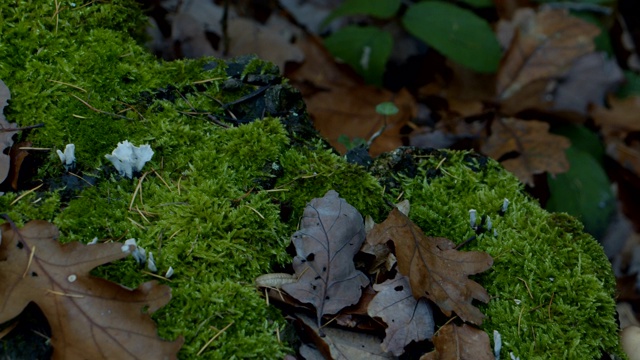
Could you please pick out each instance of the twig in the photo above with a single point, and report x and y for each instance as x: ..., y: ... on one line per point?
x: 98, y: 110
x: 213, y: 338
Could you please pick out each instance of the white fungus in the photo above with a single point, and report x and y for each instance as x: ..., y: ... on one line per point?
x: 489, y: 223
x: 68, y: 157
x: 151, y: 263
x: 71, y: 278
x: 505, y: 205
x: 128, y: 158
x: 169, y: 272
x: 472, y: 218
x: 497, y: 344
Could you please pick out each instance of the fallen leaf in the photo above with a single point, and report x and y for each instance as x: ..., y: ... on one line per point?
x: 7, y: 130
x: 17, y: 155
x: 620, y: 119
x: 352, y: 112
x: 338, y: 344
x: 407, y: 319
x: 90, y: 318
x: 544, y: 46
x: 331, y: 233
x: 464, y: 342
x: 435, y: 269
x: 538, y: 150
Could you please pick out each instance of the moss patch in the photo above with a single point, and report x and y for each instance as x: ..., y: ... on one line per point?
x: 218, y: 204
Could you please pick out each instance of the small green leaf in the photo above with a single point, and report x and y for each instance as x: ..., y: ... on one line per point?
x: 584, y: 192
x: 457, y: 33
x: 382, y: 9
x: 631, y: 87
x: 387, y: 108
x: 366, y: 49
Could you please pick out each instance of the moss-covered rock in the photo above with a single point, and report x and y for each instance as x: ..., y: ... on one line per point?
x: 223, y: 192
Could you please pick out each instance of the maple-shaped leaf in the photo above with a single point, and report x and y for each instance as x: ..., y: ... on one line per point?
x: 435, y: 269
x: 538, y: 150
x: 464, y: 342
x: 331, y: 233
x: 7, y: 130
x: 544, y: 46
x: 407, y: 319
x: 90, y: 318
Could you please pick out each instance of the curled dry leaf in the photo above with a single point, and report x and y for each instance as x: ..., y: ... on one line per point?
x: 7, y: 130
x: 331, y: 233
x: 435, y: 269
x: 407, y: 319
x: 338, y: 344
x: 90, y: 318
x: 538, y: 150
x: 544, y: 46
x: 464, y: 342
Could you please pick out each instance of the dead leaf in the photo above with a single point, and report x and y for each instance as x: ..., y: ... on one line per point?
x: 622, y: 117
x: 435, y: 269
x: 464, y: 342
x: 17, y: 155
x: 331, y: 233
x: 6, y: 133
x: 538, y: 150
x: 544, y: 46
x: 338, y: 344
x: 407, y: 319
x: 352, y: 112
x: 90, y: 318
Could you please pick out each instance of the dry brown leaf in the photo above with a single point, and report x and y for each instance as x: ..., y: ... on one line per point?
x: 623, y: 116
x: 338, y: 344
x: 538, y: 150
x: 352, y: 112
x: 435, y: 269
x: 6, y: 133
x: 17, y: 155
x: 464, y: 342
x: 407, y: 319
x: 544, y: 46
x: 331, y: 233
x: 90, y: 318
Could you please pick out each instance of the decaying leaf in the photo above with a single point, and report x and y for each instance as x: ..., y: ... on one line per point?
x: 90, y: 318
x: 331, y: 233
x: 407, y: 319
x: 7, y: 130
x: 538, y: 150
x: 17, y: 156
x: 435, y: 269
x: 621, y: 118
x: 544, y: 46
x: 464, y: 342
x: 338, y: 344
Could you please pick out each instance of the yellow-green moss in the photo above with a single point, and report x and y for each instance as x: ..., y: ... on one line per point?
x: 220, y: 203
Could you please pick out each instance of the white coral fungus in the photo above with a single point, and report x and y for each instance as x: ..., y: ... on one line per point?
x: 128, y: 158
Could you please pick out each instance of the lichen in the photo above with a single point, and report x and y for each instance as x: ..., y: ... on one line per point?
x: 221, y: 196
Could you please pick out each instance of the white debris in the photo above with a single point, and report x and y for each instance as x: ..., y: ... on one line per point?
x: 128, y: 158
x: 169, y: 272
x: 513, y: 357
x: 68, y: 157
x: 151, y: 263
x: 472, y: 218
x: 71, y: 278
x: 497, y: 344
x: 93, y: 241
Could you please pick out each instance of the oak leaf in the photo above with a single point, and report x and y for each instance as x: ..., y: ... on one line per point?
x: 407, y: 319
x: 435, y: 269
x: 538, y: 150
x: 7, y: 130
x: 331, y: 233
x: 543, y: 47
x: 90, y: 318
x: 460, y: 343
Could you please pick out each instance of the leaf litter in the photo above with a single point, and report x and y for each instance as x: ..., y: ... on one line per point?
x: 90, y: 318
x: 399, y: 301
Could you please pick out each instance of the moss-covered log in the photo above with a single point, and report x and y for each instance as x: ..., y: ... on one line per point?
x: 235, y: 162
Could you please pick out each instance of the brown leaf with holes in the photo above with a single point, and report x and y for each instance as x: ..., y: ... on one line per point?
x: 407, y: 319
x: 7, y: 130
x: 535, y: 149
x: 464, y: 342
x: 331, y: 233
x: 435, y: 269
x: 90, y: 318
x: 544, y: 46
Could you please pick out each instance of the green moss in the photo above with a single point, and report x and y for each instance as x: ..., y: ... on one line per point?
x: 218, y: 204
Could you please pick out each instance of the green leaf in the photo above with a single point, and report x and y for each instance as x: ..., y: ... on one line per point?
x: 457, y: 33
x: 387, y: 108
x: 584, y: 192
x: 479, y: 3
x: 631, y: 87
x: 366, y: 49
x: 582, y: 139
x: 378, y: 8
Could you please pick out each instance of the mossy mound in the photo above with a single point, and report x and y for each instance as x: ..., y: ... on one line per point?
x: 219, y: 203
